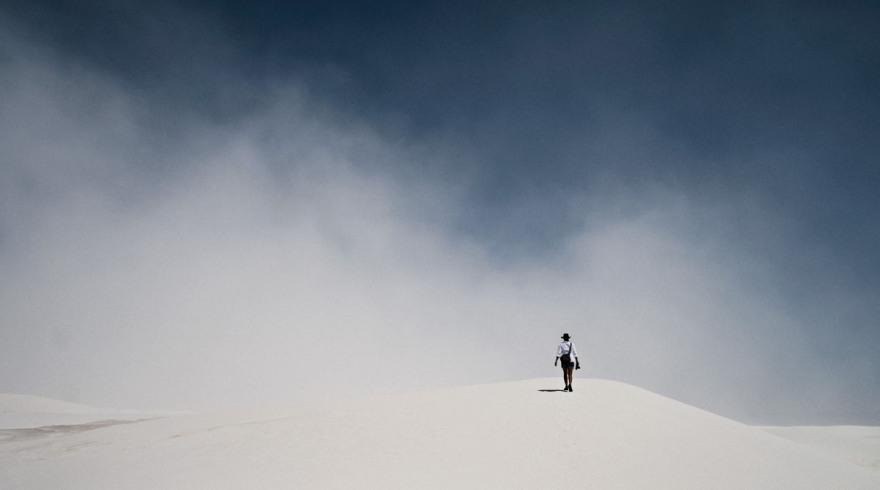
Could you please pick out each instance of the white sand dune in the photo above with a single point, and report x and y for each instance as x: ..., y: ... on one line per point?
x: 857, y: 444
x: 14, y: 403
x: 27, y: 411
x: 606, y: 435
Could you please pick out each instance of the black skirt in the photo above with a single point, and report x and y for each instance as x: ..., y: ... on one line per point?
x: 566, y: 361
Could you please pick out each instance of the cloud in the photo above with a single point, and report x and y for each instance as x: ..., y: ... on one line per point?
x: 293, y: 250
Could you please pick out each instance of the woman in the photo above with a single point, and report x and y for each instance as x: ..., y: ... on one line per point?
x: 566, y: 351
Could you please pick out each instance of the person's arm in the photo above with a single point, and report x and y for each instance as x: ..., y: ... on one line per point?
x: 574, y: 352
x: 558, y: 353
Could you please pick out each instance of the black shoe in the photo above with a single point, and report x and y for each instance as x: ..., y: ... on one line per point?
x: 570, y: 388
x: 567, y: 388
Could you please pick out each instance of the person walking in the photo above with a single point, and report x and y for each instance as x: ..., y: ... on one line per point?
x: 566, y: 351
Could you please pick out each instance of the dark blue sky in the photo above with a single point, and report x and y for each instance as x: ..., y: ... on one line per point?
x: 773, y: 101
x: 769, y: 111
x: 780, y: 98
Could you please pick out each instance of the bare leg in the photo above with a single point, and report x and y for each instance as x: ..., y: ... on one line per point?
x: 570, y: 372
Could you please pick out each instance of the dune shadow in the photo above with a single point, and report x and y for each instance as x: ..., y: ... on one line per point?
x: 550, y: 391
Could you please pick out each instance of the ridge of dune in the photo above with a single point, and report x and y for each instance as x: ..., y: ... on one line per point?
x: 18, y: 403
x: 18, y: 411
x: 606, y: 434
x: 855, y: 443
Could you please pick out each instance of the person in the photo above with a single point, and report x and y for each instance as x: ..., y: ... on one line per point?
x: 566, y: 351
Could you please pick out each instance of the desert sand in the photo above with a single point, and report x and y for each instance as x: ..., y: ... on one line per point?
x: 857, y: 444
x: 605, y: 435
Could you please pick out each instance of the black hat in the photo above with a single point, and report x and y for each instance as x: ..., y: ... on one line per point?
x: 566, y: 336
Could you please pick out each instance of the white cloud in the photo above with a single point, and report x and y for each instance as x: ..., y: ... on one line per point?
x: 292, y: 252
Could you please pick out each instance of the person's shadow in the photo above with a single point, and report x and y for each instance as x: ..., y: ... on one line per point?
x: 550, y: 391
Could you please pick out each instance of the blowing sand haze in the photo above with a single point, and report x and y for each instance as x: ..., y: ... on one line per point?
x: 606, y: 435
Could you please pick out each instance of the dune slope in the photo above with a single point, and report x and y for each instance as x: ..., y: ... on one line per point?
x: 606, y: 435
x: 27, y: 411
x: 857, y: 444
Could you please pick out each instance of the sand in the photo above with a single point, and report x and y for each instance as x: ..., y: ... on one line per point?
x: 859, y: 445
x: 606, y: 435
x: 26, y: 411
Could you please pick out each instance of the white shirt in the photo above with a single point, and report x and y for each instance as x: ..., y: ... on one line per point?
x: 566, y: 347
